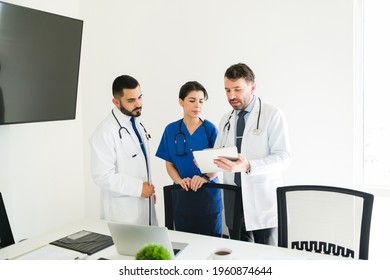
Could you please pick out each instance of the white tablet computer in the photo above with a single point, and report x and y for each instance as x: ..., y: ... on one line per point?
x: 205, y: 158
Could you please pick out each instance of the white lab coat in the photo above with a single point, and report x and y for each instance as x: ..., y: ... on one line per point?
x: 268, y: 154
x: 119, y: 173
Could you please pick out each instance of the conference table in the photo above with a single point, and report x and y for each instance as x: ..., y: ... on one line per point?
x: 194, y: 246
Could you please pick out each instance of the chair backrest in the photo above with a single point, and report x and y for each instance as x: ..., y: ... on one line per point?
x: 231, y: 220
x: 6, y: 237
x: 324, y: 219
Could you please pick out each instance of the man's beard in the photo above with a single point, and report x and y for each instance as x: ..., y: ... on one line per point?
x: 135, y: 113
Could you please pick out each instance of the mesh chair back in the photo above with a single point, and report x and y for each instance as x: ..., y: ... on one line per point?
x: 231, y: 220
x: 323, y: 219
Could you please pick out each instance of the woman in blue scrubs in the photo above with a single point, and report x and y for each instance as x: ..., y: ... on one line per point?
x: 196, y: 210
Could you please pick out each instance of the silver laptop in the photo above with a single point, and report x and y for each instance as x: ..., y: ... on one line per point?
x: 129, y: 239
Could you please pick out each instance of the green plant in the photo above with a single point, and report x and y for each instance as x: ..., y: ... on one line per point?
x: 153, y: 252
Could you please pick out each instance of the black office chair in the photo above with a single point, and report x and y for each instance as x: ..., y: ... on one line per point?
x: 232, y: 221
x: 6, y: 237
x: 324, y: 219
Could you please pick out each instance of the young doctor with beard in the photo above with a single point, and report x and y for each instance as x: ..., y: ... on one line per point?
x: 120, y: 159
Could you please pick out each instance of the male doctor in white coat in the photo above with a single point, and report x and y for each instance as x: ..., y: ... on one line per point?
x: 120, y: 159
x: 264, y: 153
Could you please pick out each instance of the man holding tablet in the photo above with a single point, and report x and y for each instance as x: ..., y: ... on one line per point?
x: 259, y: 131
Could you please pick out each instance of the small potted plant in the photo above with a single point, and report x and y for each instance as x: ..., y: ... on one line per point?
x: 153, y: 252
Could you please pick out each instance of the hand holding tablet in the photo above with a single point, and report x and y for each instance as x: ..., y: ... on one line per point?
x: 205, y: 158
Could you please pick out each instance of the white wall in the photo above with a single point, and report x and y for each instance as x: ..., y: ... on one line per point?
x: 41, y: 164
x: 301, y: 52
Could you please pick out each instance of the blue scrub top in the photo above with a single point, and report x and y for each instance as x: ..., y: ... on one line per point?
x: 193, y: 203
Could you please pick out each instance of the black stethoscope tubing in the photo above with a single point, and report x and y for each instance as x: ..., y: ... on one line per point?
x: 147, y: 135
x: 181, y: 134
x: 122, y: 127
x: 226, y: 127
x: 147, y: 138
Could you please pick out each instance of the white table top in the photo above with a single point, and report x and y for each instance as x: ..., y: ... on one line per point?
x: 199, y: 247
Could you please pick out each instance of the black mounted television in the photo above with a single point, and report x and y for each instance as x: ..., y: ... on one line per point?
x: 39, y: 65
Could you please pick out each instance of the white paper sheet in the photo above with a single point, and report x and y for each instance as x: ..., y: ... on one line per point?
x: 51, y: 252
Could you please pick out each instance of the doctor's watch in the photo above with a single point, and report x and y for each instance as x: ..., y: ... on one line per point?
x: 248, y: 171
x: 207, y: 178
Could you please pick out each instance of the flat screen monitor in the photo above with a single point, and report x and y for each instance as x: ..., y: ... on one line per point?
x: 39, y: 65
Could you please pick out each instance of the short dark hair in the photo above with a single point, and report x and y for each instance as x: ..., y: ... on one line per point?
x: 238, y: 71
x: 191, y: 86
x: 121, y: 83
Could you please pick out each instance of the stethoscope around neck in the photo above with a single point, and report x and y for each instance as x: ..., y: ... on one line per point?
x: 122, y: 128
x: 226, y: 127
x: 147, y: 135
x: 180, y: 134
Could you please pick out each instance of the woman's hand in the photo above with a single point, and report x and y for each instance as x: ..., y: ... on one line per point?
x: 185, y: 183
x: 197, y: 182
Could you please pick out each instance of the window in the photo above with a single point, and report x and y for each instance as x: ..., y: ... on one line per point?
x: 376, y: 93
